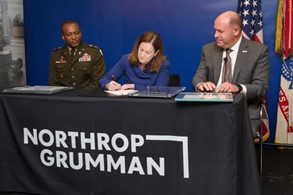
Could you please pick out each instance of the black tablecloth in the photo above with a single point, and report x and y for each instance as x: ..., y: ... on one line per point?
x: 83, y: 142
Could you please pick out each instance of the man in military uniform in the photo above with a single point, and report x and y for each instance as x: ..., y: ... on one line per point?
x: 76, y: 64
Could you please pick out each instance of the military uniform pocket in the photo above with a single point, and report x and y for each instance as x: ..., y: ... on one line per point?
x: 84, y: 67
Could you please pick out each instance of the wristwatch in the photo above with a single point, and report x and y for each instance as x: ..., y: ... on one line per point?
x: 239, y: 87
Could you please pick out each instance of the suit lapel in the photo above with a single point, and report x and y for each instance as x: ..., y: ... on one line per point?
x: 66, y: 54
x: 76, y: 56
x: 79, y: 53
x: 241, y: 56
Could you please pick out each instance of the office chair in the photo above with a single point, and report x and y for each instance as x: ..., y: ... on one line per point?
x: 174, y: 80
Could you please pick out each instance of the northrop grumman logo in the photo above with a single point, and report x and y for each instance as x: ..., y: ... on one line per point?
x: 68, y: 147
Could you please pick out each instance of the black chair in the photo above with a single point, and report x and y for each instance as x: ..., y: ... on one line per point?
x: 174, y: 80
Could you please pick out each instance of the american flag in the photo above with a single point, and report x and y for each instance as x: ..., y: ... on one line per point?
x: 251, y: 13
x: 284, y: 35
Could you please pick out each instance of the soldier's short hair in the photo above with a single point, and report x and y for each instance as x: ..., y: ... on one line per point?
x: 68, y: 21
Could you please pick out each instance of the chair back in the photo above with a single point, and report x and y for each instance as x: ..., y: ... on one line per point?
x: 174, y: 80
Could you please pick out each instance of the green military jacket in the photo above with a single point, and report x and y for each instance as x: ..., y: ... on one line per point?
x: 83, y: 70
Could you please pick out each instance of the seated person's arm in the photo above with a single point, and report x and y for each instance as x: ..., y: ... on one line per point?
x: 99, y: 68
x: 109, y: 80
x: 53, y: 76
x: 164, y: 75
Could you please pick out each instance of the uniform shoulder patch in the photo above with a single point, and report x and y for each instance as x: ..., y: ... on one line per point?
x: 56, y: 49
x: 93, y: 46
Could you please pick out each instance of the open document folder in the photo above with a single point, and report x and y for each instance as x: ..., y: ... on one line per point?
x: 37, y: 89
x: 204, y: 97
x: 157, y: 92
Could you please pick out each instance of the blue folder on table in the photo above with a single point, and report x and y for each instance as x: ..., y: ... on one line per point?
x: 204, y: 97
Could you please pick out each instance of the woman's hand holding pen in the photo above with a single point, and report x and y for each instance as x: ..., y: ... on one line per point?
x: 113, y: 85
x: 127, y: 86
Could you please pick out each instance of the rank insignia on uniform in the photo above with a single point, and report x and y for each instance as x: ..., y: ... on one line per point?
x: 85, y: 58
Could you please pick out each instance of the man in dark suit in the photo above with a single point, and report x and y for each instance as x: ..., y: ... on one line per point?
x: 250, y: 71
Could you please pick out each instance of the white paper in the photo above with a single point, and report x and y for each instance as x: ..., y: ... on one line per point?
x: 122, y: 92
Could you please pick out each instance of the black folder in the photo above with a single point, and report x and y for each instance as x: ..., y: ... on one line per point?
x: 157, y: 92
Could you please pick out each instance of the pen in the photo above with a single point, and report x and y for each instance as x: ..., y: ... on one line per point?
x: 113, y: 78
x: 114, y: 84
